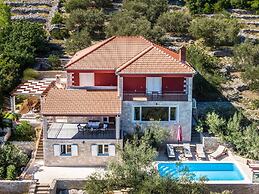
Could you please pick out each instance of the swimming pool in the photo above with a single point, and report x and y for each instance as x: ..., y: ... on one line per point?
x: 212, y: 171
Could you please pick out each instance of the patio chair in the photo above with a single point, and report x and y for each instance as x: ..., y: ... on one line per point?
x: 200, y: 151
x: 221, y: 150
x: 170, y: 151
x: 187, y: 150
x: 254, y: 165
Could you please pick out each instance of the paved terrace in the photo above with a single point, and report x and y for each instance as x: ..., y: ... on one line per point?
x: 70, y: 131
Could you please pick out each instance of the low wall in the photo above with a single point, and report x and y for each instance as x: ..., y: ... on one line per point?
x: 15, y: 187
x: 25, y: 146
x: 79, y: 184
x: 235, y: 188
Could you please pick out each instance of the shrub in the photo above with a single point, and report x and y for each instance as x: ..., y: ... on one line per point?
x: 215, y: 123
x: 10, y: 172
x: 59, y: 34
x: 24, y: 132
x: 30, y: 74
x: 218, y: 31
x: 11, y: 155
x: 54, y: 61
x: 2, y: 172
x: 57, y: 19
x: 85, y: 4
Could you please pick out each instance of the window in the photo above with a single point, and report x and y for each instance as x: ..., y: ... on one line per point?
x: 65, y: 150
x: 149, y: 113
x: 154, y: 113
x: 172, y: 113
x: 103, y: 149
x: 137, y: 113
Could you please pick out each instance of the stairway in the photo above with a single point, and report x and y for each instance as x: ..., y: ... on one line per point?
x: 39, y: 154
x: 42, y: 188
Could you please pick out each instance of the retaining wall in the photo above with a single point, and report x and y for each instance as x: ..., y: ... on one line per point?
x: 15, y: 187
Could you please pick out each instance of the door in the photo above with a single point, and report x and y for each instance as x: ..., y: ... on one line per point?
x: 154, y: 84
x: 86, y: 79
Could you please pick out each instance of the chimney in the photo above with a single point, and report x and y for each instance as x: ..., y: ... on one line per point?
x: 58, y: 83
x: 182, y: 54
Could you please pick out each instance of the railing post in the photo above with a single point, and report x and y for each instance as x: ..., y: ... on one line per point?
x: 12, y: 100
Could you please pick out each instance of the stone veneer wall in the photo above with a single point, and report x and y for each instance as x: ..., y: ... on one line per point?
x: 84, y: 157
x: 184, y: 117
x: 15, y: 187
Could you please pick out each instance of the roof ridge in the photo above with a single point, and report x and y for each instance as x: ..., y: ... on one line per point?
x: 127, y: 63
x: 104, y: 42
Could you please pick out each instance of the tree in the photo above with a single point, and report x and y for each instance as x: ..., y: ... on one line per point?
x: 215, y: 31
x: 78, y: 41
x: 5, y: 14
x: 215, y: 123
x: 91, y: 20
x: 123, y: 23
x: 21, y: 41
x: 176, y: 22
x: 151, y: 9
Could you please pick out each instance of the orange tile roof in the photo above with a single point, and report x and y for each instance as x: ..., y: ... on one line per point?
x: 128, y: 54
x: 81, y: 103
x: 155, y: 61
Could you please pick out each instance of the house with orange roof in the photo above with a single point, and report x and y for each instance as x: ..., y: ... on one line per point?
x: 112, y: 87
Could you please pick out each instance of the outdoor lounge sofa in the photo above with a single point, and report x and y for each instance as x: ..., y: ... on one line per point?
x: 221, y: 150
x: 170, y: 151
x: 200, y: 151
x: 187, y: 150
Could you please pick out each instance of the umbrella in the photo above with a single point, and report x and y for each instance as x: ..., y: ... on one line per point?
x: 179, y: 134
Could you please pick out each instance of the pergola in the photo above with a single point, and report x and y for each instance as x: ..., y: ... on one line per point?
x: 37, y: 88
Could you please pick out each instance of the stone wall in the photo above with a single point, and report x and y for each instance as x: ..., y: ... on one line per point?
x: 84, y: 157
x: 184, y: 117
x: 51, y: 74
x: 15, y: 187
x: 210, y: 144
x: 78, y: 184
x: 25, y: 146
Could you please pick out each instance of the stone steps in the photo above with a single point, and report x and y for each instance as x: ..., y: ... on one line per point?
x: 42, y: 188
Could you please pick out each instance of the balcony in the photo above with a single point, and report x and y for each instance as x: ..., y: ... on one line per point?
x: 131, y: 96
x: 72, y: 131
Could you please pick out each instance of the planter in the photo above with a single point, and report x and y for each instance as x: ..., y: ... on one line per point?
x: 210, y: 143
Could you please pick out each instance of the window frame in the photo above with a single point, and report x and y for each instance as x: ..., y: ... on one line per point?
x: 66, y: 150
x: 169, y: 113
x: 104, y: 153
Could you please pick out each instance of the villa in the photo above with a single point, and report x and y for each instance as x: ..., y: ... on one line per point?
x: 112, y: 87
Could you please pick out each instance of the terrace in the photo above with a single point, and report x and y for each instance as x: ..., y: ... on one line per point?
x: 80, y: 131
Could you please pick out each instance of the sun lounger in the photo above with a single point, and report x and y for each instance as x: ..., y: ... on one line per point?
x: 187, y: 151
x: 200, y: 151
x: 221, y: 150
x: 254, y: 165
x: 170, y: 151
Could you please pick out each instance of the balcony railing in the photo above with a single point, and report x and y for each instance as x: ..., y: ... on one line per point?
x: 154, y: 97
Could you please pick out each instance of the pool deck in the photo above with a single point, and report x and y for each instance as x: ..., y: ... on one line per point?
x: 229, y: 157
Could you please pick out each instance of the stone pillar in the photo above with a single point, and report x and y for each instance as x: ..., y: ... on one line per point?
x: 12, y: 100
x: 189, y: 88
x: 45, y: 127
x: 117, y: 127
x: 120, y: 86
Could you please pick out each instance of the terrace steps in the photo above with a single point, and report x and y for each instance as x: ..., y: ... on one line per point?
x: 39, y: 154
x: 42, y: 188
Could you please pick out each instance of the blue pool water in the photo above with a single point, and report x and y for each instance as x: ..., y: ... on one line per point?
x: 212, y: 171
